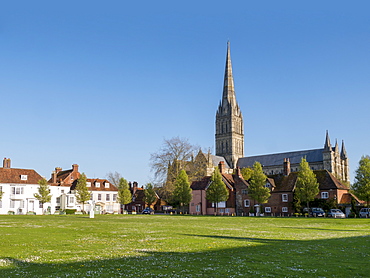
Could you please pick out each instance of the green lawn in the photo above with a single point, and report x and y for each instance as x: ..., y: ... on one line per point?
x: 182, y: 246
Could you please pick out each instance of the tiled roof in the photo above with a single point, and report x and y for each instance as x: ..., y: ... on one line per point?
x: 62, y: 175
x: 278, y: 158
x: 13, y: 175
x: 94, y: 183
x: 202, y: 184
x: 325, y: 179
x: 347, y: 198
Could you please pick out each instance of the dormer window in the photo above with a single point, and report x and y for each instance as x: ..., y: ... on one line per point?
x: 107, y: 185
x: 23, y: 177
x: 97, y: 184
x: 88, y: 184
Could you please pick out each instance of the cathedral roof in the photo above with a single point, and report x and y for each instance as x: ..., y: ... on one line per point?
x: 217, y: 159
x: 295, y: 157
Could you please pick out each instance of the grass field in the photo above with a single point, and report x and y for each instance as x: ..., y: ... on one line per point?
x: 182, y: 246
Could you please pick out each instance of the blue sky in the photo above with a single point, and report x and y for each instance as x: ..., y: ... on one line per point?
x: 101, y: 84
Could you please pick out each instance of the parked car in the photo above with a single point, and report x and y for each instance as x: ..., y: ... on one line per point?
x: 317, y: 212
x: 336, y: 213
x: 148, y: 211
x: 364, y: 213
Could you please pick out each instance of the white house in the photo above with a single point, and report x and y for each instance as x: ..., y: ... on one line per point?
x: 18, y: 187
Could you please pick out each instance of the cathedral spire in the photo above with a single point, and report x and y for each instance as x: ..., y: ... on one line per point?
x: 343, y: 153
x: 327, y: 146
x: 336, y: 149
x: 228, y: 95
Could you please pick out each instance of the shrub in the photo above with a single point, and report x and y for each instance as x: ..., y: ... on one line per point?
x: 71, y: 211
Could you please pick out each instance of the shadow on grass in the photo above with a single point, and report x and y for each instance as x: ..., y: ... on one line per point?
x: 325, y: 229
x: 343, y: 257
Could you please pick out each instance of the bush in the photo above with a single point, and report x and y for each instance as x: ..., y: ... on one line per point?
x: 71, y: 211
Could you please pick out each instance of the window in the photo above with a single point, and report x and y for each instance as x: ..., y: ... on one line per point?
x: 114, y: 197
x: 17, y: 190
x: 97, y: 184
x: 267, y: 209
x: 62, y: 191
x: 99, y: 197
x: 1, y: 204
x: 227, y: 210
x: 197, y: 208
x: 71, y: 199
x: 244, y: 191
x: 12, y: 204
x: 88, y: 184
x: 40, y: 205
x: 23, y: 177
x: 58, y: 200
x: 284, y: 209
x: 220, y: 205
x: 324, y: 195
x: 246, y: 203
x: 91, y: 196
x: 284, y: 197
x: 267, y: 185
x: 107, y: 197
x: 107, y: 185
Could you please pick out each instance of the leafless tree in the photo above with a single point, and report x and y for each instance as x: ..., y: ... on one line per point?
x: 114, y: 178
x: 171, y: 158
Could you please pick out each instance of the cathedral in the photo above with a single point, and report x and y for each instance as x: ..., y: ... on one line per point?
x: 229, y: 143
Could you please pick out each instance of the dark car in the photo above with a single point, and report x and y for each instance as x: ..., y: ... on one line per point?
x: 148, y: 211
x: 317, y: 212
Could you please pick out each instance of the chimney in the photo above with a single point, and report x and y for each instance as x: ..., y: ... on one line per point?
x: 54, y: 176
x: 58, y: 169
x: 134, y: 187
x: 221, y: 167
x: 6, y: 162
x: 75, y: 168
x: 286, y: 167
x: 238, y: 173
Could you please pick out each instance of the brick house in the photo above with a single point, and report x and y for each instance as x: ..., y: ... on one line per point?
x: 236, y: 203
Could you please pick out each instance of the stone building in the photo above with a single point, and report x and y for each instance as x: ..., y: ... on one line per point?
x: 229, y: 120
x: 229, y: 139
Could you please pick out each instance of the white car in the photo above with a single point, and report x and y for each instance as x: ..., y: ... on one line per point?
x: 336, y: 213
x: 364, y: 213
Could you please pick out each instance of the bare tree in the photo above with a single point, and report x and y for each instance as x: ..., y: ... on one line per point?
x: 172, y: 157
x: 114, y: 178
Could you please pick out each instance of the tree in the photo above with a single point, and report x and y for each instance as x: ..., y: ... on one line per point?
x: 246, y: 173
x: 361, y: 186
x: 124, y: 193
x: 307, y: 186
x: 114, y: 178
x: 257, y: 189
x: 171, y: 158
x: 149, y: 195
x: 182, y: 193
x: 44, y: 195
x: 217, y: 191
x: 82, y: 193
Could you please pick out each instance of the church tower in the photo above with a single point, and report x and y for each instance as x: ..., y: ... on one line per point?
x: 229, y: 120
